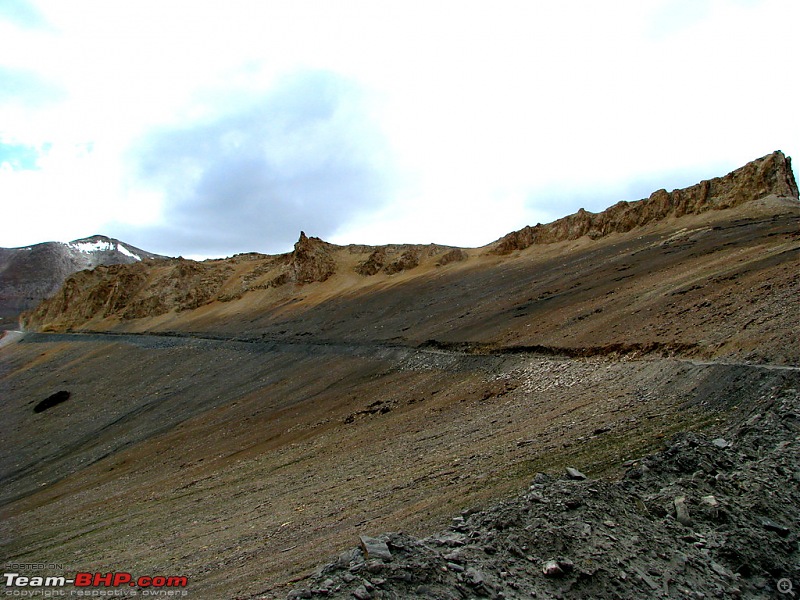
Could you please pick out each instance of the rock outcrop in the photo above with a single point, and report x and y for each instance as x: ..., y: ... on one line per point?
x: 394, y: 259
x: 373, y: 264
x: 407, y: 260
x: 769, y: 175
x: 129, y: 292
x: 311, y: 261
x: 452, y: 256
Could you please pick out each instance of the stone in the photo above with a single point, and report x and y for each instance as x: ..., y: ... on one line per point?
x: 540, y: 478
x: 774, y: 527
x: 375, y: 548
x: 710, y: 501
x: 719, y: 569
x: 450, y: 538
x: 575, y: 474
x: 552, y: 569
x: 682, y: 512
x: 361, y: 593
x: 566, y: 565
x: 474, y: 577
x: 720, y: 442
x: 455, y: 555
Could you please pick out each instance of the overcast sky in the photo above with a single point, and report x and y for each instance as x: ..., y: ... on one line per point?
x: 203, y: 129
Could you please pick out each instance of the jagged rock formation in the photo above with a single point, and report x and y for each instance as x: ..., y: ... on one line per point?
x: 770, y: 175
x: 30, y: 274
x: 396, y: 259
x: 311, y: 261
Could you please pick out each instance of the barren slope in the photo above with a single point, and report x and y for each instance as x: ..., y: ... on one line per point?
x: 282, y: 406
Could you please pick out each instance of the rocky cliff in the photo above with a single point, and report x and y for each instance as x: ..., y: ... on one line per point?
x: 769, y: 175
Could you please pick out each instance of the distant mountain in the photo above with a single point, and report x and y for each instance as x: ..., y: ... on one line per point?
x: 32, y: 273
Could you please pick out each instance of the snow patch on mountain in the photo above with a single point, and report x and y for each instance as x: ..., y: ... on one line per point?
x: 97, y: 246
x: 91, y: 246
x: 127, y: 252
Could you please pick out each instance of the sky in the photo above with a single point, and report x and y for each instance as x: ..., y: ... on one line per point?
x: 205, y: 129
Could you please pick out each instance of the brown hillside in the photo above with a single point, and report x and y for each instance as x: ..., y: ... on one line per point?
x: 665, y: 273
x: 242, y: 421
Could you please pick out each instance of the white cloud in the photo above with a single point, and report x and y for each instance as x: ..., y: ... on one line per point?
x: 495, y: 115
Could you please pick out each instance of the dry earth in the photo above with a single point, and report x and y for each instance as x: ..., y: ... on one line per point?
x: 242, y: 439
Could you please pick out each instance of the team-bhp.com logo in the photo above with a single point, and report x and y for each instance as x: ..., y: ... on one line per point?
x: 154, y: 585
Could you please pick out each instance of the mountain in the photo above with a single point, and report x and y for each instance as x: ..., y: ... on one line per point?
x: 30, y: 274
x: 561, y: 282
x: 604, y: 406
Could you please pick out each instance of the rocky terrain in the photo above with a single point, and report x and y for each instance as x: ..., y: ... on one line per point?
x: 769, y: 175
x: 245, y: 421
x: 29, y: 275
x: 702, y: 519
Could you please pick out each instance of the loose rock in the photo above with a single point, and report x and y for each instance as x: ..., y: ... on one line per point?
x: 375, y: 548
x: 575, y: 474
x: 621, y: 536
x: 681, y: 512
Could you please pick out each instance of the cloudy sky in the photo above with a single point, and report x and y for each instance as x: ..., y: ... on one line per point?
x: 202, y: 128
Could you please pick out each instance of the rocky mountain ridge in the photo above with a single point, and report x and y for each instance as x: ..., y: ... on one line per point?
x: 30, y: 274
x: 179, y: 291
x: 771, y: 174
